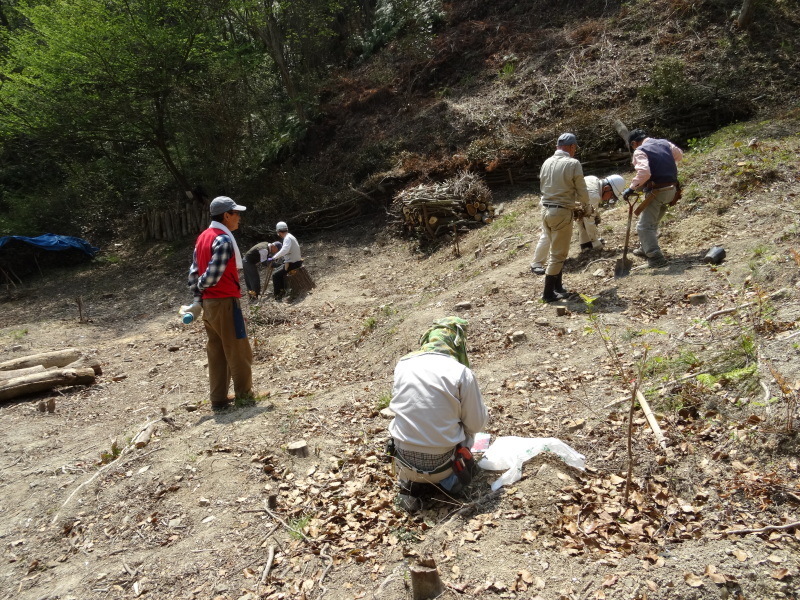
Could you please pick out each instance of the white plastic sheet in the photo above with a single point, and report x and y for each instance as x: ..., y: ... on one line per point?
x: 511, y: 452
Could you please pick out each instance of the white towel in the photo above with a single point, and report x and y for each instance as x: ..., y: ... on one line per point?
x: 218, y: 225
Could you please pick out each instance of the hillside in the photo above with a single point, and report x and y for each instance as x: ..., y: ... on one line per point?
x: 186, y: 516
x: 501, y: 80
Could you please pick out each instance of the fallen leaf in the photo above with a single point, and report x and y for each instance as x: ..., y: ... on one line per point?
x: 526, y: 576
x: 713, y: 575
x: 692, y: 579
x: 652, y: 585
x: 779, y: 574
x: 741, y: 555
x: 529, y: 536
x: 775, y: 559
x: 610, y: 580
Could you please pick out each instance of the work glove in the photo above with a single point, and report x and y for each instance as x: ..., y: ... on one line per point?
x: 597, y: 219
x: 270, y: 259
x: 627, y: 193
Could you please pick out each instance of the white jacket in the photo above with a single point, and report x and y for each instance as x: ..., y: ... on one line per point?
x: 437, y: 404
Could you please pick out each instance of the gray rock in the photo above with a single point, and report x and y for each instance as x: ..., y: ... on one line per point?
x: 463, y: 305
x: 387, y: 413
x: 518, y: 336
x: 542, y: 321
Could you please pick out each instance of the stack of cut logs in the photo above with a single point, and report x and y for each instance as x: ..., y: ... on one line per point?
x: 441, y: 208
x: 40, y: 372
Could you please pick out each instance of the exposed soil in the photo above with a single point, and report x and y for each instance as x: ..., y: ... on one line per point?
x: 185, y: 517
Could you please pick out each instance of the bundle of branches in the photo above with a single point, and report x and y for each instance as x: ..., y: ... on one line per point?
x: 453, y: 205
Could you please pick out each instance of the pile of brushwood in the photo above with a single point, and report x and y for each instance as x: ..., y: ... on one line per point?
x: 452, y: 206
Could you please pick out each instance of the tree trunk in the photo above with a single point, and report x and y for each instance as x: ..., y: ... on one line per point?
x: 39, y: 382
x: 746, y: 14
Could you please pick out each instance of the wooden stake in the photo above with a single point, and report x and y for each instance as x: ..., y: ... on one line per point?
x: 268, y: 566
x: 651, y: 420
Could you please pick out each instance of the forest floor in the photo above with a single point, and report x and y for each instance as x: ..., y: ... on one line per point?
x: 186, y: 516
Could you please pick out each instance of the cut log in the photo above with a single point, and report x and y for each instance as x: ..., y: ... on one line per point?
x: 425, y: 580
x: 143, y: 437
x: 85, y: 362
x: 299, y: 448
x: 57, y: 358
x: 38, y: 382
x: 21, y: 372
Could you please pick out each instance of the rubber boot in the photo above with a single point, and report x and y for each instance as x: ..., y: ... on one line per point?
x: 559, y: 286
x: 586, y: 246
x: 549, y: 294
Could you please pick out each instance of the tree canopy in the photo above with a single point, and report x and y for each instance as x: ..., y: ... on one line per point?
x: 138, y: 100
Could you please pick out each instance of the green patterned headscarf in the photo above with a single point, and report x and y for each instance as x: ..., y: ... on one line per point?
x: 446, y: 336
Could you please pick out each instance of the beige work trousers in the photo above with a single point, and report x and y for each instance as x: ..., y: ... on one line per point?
x: 228, y: 357
x: 587, y: 233
x: 557, y: 231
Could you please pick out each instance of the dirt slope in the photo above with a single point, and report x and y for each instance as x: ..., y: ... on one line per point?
x: 185, y: 516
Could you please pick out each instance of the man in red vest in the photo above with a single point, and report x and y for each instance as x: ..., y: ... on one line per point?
x: 214, y: 281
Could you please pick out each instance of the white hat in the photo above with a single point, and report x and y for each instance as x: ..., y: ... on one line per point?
x: 281, y: 226
x: 617, y: 184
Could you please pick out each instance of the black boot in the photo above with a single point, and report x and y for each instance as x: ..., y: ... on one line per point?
x: 550, y: 294
x: 586, y: 246
x: 559, y: 286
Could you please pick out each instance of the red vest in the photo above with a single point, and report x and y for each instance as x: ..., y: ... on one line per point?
x: 228, y: 286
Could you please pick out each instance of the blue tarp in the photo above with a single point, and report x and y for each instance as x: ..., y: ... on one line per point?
x: 50, y: 241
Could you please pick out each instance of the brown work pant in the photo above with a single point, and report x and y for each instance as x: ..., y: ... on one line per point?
x: 228, y: 357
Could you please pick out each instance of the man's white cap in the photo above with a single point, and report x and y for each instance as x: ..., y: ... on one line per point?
x: 281, y: 226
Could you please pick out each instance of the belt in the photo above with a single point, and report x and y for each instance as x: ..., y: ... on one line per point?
x: 440, y: 469
x: 658, y: 186
x: 555, y: 206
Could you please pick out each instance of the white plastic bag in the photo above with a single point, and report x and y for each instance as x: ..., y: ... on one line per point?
x: 511, y: 452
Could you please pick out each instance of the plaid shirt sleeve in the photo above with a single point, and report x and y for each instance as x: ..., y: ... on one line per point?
x: 221, y: 252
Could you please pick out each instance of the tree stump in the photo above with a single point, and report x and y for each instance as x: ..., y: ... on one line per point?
x: 300, y: 281
x: 425, y: 580
x: 299, y: 448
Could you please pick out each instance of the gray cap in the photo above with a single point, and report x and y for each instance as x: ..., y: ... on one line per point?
x: 567, y: 139
x: 223, y: 204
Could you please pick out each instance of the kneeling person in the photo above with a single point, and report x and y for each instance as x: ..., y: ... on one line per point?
x: 438, y: 409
